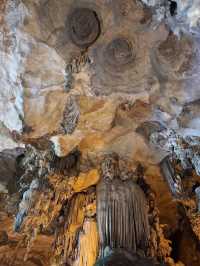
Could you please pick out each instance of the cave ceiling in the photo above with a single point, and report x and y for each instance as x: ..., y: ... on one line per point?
x: 97, y: 77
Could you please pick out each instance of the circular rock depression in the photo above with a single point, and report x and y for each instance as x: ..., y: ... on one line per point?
x: 117, y: 64
x: 84, y: 27
x: 119, y: 53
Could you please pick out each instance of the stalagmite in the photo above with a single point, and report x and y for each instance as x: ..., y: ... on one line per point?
x: 88, y: 244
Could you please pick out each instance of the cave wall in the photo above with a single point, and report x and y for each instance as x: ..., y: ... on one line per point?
x: 127, y: 83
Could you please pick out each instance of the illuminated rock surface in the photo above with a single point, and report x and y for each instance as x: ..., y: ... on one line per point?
x: 82, y: 79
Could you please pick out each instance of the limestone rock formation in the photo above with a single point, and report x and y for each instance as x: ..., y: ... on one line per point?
x: 121, y: 210
x: 181, y: 16
x: 81, y: 80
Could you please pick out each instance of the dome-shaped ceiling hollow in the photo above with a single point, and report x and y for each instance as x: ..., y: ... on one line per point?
x: 84, y: 27
x: 119, y: 53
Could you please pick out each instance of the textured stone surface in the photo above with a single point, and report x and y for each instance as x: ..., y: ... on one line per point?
x: 122, y: 82
x: 65, y: 144
x: 181, y: 16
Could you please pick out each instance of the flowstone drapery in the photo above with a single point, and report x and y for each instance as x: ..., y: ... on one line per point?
x: 121, y: 210
x: 87, y: 223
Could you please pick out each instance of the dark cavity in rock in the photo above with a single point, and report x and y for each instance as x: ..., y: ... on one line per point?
x: 3, y: 238
x: 84, y: 27
x: 173, y: 8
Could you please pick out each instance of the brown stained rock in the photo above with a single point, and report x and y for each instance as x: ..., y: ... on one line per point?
x: 49, y: 22
x: 121, y: 140
x: 164, y: 199
x: 92, y: 143
x: 128, y: 144
x: 3, y: 238
x: 126, y: 11
x: 2, y: 9
x: 195, y: 223
x: 171, y: 47
x: 13, y: 253
x: 96, y: 115
x: 84, y: 181
x: 189, y: 246
x: 131, y: 114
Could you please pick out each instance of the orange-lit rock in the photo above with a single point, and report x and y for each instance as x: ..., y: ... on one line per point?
x: 64, y: 144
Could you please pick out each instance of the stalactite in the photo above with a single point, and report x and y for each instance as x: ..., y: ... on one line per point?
x: 75, y: 236
x: 184, y: 149
x: 66, y: 164
x: 78, y: 62
x: 70, y: 116
x: 39, y: 165
x: 121, y: 210
x: 75, y: 66
x: 172, y: 178
x: 28, y: 200
x: 67, y: 205
x: 62, y: 207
